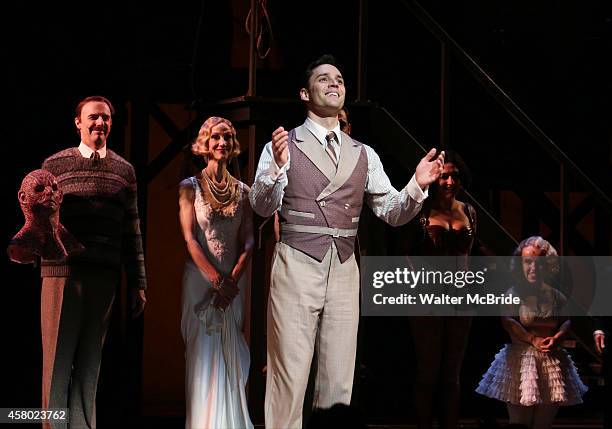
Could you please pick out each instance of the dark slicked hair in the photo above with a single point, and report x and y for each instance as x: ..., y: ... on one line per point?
x: 97, y: 98
x: 323, y: 59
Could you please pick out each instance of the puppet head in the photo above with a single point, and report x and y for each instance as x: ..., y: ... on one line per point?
x: 42, y: 234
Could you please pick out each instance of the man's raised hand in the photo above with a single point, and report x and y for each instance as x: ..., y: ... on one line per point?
x: 430, y: 168
x: 280, y: 149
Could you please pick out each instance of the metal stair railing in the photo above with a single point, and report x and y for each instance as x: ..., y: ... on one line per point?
x: 567, y: 166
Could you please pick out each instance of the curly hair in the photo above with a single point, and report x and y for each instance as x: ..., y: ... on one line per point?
x: 549, y: 257
x: 201, y: 147
x: 465, y: 176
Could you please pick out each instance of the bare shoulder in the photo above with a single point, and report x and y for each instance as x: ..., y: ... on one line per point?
x: 467, y: 209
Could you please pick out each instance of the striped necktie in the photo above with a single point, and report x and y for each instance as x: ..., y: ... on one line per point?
x: 95, y: 156
x: 331, y: 150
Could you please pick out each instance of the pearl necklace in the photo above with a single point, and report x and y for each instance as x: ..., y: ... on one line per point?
x: 219, y: 197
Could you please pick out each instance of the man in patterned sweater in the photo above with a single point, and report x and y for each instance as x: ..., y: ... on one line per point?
x: 99, y: 209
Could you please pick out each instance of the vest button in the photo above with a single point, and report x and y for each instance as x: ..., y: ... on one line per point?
x: 322, y: 203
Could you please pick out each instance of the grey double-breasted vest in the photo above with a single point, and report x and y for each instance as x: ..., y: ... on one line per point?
x: 322, y: 197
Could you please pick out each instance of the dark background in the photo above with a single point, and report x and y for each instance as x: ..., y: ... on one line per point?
x: 553, y: 58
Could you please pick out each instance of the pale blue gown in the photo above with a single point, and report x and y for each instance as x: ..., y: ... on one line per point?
x: 216, y: 354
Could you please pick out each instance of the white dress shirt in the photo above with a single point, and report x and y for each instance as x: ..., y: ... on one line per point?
x: 86, y: 151
x: 395, y: 208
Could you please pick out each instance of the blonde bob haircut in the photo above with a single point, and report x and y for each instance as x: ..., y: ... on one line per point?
x: 201, y: 147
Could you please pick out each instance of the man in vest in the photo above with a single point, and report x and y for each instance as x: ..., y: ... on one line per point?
x: 315, y: 176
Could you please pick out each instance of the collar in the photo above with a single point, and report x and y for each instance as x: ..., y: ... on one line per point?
x: 86, y: 151
x: 320, y: 132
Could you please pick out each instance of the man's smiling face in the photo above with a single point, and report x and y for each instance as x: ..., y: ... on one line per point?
x: 94, y: 124
x: 326, y: 91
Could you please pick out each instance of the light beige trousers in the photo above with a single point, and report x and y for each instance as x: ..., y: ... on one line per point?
x: 310, y: 302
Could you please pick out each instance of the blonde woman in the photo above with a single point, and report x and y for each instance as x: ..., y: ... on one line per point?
x: 216, y: 222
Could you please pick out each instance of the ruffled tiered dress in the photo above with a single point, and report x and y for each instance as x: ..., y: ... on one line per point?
x: 522, y: 375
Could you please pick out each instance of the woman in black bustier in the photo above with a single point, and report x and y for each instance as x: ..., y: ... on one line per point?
x: 446, y: 227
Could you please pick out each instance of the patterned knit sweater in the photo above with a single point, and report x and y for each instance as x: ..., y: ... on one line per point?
x: 100, y: 210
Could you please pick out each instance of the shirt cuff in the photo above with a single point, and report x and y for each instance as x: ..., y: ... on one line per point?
x: 274, y: 171
x: 415, y: 191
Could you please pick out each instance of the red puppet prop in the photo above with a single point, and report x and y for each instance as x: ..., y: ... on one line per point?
x: 42, y: 235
